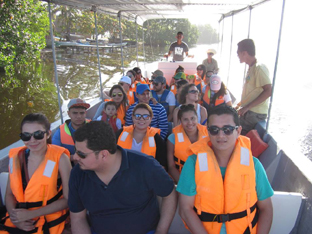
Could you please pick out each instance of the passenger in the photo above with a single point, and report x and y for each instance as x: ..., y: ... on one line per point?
x: 154, y: 75
x: 139, y: 79
x: 109, y: 115
x: 163, y: 96
x: 159, y: 119
x: 185, y: 134
x: 210, y: 63
x: 131, y: 74
x: 115, y: 189
x: 189, y: 95
x: 125, y: 83
x: 141, y: 137
x: 223, y: 189
x: 179, y: 85
x: 208, y: 75
x: 37, y: 189
x: 178, y: 76
x: 64, y: 136
x: 200, y: 77
x: 216, y: 94
x: 257, y: 88
x: 119, y: 96
x: 178, y: 49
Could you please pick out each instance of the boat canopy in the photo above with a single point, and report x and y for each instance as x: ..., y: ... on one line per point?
x: 142, y: 10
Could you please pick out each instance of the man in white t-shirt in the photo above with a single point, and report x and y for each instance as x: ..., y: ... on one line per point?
x: 164, y: 96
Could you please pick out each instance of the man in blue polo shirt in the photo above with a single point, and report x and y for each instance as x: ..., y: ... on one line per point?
x: 117, y: 189
x: 159, y: 112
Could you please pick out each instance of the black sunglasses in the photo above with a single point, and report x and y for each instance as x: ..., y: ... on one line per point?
x: 115, y: 94
x: 228, y: 130
x: 38, y: 135
x: 139, y: 116
x: 84, y: 155
x: 193, y: 91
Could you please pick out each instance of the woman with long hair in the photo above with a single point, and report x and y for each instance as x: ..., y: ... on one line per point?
x: 37, y: 189
x: 141, y: 137
x: 185, y: 134
x: 119, y: 96
x: 190, y: 95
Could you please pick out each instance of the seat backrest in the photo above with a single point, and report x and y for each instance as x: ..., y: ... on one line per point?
x: 3, y: 184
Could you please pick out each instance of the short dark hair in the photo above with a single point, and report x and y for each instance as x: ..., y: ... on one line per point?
x: 181, y: 82
x: 247, y: 45
x: 180, y: 33
x: 184, y: 92
x: 224, y: 110
x: 143, y: 106
x: 186, y: 108
x: 132, y: 72
x: 99, y: 136
x: 37, y: 118
x: 111, y: 103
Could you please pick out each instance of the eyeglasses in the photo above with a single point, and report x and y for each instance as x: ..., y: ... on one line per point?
x: 210, y: 53
x: 228, y: 130
x: 115, y: 94
x: 38, y: 135
x: 193, y: 91
x: 199, y: 69
x: 130, y: 76
x: 155, y: 84
x: 84, y: 155
x: 139, y: 116
x: 121, y: 84
x: 209, y: 76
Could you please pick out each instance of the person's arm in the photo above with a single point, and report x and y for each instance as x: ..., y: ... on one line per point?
x: 171, y: 102
x: 60, y: 204
x: 172, y: 170
x: 79, y: 224
x: 161, y: 150
x: 265, y: 216
x: 167, y: 212
x: 99, y: 111
x: 203, y: 114
x: 266, y: 93
x: 187, y: 213
x: 170, y: 113
x: 128, y: 118
x: 163, y: 122
x: 175, y: 117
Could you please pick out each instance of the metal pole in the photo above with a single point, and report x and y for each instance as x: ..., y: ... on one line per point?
x: 227, y: 82
x: 143, y: 44
x: 222, y: 36
x: 120, y: 35
x: 276, y: 62
x: 248, y: 35
x: 54, y: 61
x: 136, y: 36
x: 97, y: 51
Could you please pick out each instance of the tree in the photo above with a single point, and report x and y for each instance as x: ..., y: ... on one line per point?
x: 207, y: 35
x: 23, y: 27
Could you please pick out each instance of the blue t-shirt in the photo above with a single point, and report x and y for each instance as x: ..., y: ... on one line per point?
x: 128, y: 204
x: 187, y: 185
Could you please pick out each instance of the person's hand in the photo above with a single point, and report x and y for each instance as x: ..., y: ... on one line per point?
x: 25, y: 225
x: 20, y: 215
x: 243, y: 111
x: 154, y: 101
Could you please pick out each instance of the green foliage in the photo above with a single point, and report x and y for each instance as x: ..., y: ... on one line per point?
x: 164, y: 31
x: 23, y: 27
x: 207, y: 34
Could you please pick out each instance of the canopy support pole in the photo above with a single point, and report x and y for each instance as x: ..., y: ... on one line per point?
x: 121, y: 49
x: 222, y: 36
x: 248, y: 35
x: 229, y: 68
x: 97, y: 52
x: 276, y: 63
x: 54, y: 61
x: 143, y: 44
x: 136, y: 37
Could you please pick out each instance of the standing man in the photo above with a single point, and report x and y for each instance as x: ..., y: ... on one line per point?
x: 163, y: 96
x: 159, y: 120
x: 178, y: 49
x: 115, y: 189
x: 64, y: 136
x: 223, y: 188
x: 210, y: 63
x: 257, y: 88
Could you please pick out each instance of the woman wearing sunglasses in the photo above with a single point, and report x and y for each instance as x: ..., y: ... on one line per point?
x: 118, y: 95
x: 37, y: 190
x: 185, y: 134
x: 190, y: 95
x: 141, y: 137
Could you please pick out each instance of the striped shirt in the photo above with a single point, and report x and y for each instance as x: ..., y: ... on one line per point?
x: 159, y: 120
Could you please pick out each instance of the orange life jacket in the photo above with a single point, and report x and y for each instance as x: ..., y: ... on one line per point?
x: 41, y: 188
x: 130, y: 96
x: 173, y: 89
x: 133, y: 87
x: 148, y: 145
x: 121, y: 112
x: 232, y: 200
x: 198, y: 80
x: 206, y: 98
x: 182, y: 142
x: 66, y: 137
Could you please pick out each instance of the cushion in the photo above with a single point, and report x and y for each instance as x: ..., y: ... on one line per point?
x: 257, y: 144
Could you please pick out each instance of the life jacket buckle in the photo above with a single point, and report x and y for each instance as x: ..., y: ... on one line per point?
x: 222, y: 218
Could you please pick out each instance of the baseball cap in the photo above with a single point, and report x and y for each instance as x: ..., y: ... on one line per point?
x: 141, y: 88
x: 157, y: 73
x: 76, y: 102
x: 160, y: 79
x: 125, y: 79
x: 215, y: 82
x: 179, y: 75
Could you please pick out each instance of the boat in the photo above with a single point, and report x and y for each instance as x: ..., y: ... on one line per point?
x: 289, y: 174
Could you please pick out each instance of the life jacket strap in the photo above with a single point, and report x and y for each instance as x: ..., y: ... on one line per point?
x: 222, y: 218
x: 28, y: 205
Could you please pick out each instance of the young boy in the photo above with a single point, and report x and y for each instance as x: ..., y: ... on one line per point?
x: 109, y: 115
